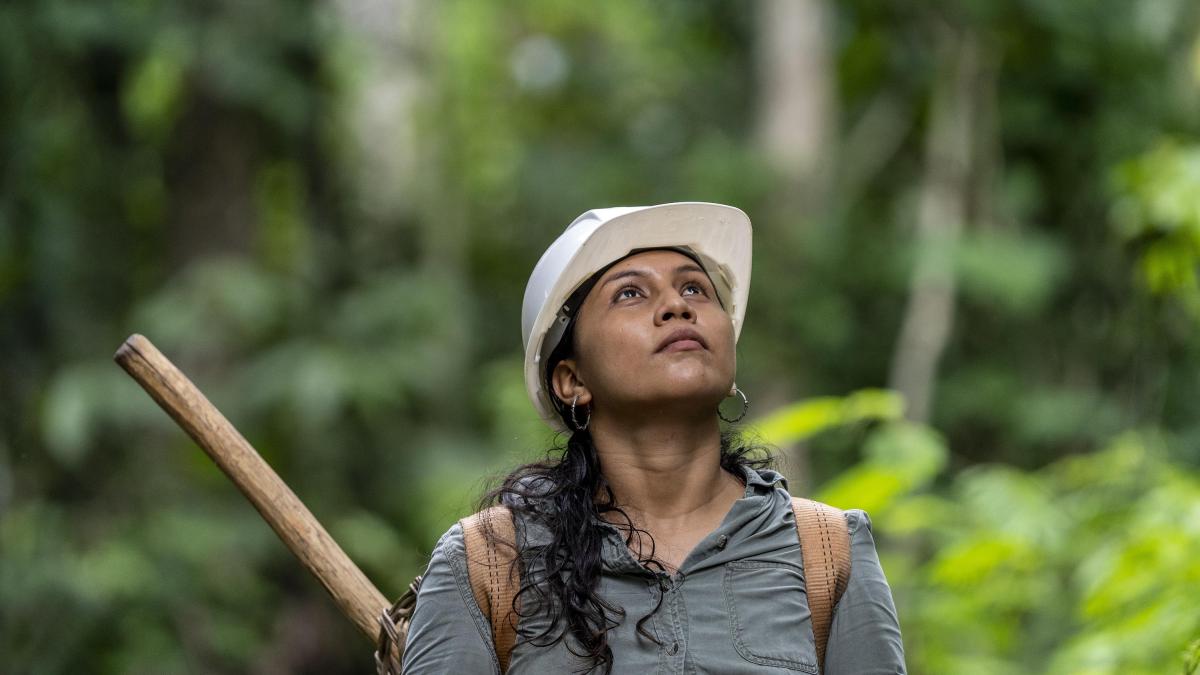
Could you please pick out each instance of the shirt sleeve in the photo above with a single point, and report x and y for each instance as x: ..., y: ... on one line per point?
x: 448, y: 632
x: 865, y: 636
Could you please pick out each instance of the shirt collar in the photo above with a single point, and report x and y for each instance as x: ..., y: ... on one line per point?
x: 759, y: 481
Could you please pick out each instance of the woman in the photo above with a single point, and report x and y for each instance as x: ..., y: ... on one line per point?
x: 656, y: 542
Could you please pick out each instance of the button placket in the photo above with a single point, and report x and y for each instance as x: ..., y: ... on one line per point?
x: 676, y: 651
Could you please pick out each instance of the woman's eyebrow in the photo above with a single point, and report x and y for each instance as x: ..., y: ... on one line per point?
x: 686, y: 267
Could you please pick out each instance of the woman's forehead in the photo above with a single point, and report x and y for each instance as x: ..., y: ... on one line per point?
x: 661, y: 260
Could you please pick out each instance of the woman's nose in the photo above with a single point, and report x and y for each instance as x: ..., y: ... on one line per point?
x: 675, y: 306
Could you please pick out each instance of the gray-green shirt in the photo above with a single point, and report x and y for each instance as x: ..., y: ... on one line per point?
x: 737, y: 604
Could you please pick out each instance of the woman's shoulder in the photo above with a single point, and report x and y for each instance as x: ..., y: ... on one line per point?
x: 448, y: 630
x: 451, y: 545
x: 856, y: 519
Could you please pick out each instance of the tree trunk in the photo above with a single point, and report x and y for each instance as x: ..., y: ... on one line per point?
x: 942, y: 212
x: 379, y: 113
x: 797, y: 133
x: 797, y: 107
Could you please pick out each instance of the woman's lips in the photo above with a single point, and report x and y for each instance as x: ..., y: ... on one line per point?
x: 682, y: 345
x: 683, y: 334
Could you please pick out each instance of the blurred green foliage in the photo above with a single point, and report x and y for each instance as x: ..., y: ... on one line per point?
x: 1086, y: 565
x: 325, y: 213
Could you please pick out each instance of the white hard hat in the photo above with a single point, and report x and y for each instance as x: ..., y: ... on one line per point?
x: 717, y: 235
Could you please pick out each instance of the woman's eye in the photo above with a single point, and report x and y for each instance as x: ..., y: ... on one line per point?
x: 628, y: 289
x: 698, y: 287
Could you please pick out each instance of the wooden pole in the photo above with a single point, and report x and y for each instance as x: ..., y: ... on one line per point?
x: 357, y: 597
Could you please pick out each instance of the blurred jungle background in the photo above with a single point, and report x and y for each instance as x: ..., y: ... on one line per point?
x: 974, y: 312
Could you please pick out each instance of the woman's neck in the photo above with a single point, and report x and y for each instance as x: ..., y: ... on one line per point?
x: 665, y: 472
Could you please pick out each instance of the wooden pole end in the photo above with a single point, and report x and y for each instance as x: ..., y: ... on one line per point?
x: 130, y: 348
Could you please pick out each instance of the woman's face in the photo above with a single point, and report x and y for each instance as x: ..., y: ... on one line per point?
x: 626, y: 362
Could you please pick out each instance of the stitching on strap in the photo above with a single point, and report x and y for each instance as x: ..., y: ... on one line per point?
x: 494, y: 586
x: 825, y: 548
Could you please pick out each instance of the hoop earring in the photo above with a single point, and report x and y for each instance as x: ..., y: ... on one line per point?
x: 575, y: 420
x: 745, y: 406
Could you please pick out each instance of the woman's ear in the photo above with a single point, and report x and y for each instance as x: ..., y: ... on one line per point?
x: 568, y: 384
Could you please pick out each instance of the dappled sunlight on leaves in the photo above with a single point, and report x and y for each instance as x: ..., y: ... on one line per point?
x: 1088, y: 565
x: 809, y: 417
x: 900, y: 458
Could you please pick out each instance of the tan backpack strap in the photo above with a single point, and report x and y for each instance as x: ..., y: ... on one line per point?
x: 825, y: 548
x: 494, y: 579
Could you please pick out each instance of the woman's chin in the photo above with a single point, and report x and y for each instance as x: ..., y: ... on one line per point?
x: 692, y: 392
x: 691, y: 375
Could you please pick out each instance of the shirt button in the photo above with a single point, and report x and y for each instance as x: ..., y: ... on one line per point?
x: 722, y: 541
x: 674, y: 649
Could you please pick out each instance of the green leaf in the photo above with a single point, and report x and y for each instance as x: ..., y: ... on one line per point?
x: 809, y: 417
